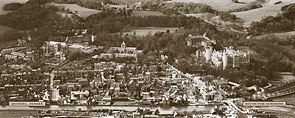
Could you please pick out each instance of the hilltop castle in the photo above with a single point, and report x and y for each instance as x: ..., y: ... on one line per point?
x: 228, y: 56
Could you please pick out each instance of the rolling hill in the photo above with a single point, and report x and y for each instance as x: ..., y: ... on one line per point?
x: 220, y: 5
x: 3, y: 2
x: 128, y: 1
x: 268, y: 9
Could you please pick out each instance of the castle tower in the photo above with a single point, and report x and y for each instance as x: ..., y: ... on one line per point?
x: 174, y: 74
x: 208, y: 53
x: 198, y: 54
x: 248, y: 56
x: 47, y: 48
x: 29, y: 38
x: 92, y: 38
x: 147, y: 77
x: 55, y: 48
x: 123, y: 45
x: 188, y: 41
x: 236, y: 61
x: 224, y: 60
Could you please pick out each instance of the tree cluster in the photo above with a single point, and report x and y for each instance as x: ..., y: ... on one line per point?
x: 12, y: 6
x: 114, y: 22
x: 186, y: 8
x: 226, y: 16
x: 77, y: 56
x: 280, y: 23
x: 27, y: 17
x: 173, y: 8
x: 270, y: 51
x: 253, y: 5
x: 179, y: 8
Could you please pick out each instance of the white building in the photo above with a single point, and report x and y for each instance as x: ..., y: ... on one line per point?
x: 221, y: 59
x: 124, y: 51
x: 229, y: 56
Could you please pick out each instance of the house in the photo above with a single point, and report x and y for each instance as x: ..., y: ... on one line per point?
x: 83, y: 82
x: 80, y: 96
x: 9, y: 50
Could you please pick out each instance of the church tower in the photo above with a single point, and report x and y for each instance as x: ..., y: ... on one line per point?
x: 123, y: 45
x: 208, y: 53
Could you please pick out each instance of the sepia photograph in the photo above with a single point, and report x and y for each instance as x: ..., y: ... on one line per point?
x: 147, y: 58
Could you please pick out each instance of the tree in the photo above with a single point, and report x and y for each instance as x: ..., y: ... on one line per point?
x: 129, y: 12
x: 156, y: 112
x: 235, y: 1
x: 75, y: 55
x: 2, y: 100
x: 167, y: 31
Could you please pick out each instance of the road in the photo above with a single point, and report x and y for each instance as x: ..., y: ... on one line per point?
x: 233, y: 106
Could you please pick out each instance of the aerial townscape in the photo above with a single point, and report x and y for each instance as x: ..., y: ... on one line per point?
x: 147, y: 59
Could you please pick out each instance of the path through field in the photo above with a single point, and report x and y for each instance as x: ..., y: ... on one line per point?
x: 82, y: 11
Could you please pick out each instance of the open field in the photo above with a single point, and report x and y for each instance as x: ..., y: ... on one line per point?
x: 82, y: 11
x: 142, y: 31
x: 128, y: 1
x: 147, y: 13
x: 3, y: 2
x: 268, y: 9
x: 220, y: 5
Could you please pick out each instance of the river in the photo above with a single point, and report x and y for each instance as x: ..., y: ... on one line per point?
x: 3, y: 2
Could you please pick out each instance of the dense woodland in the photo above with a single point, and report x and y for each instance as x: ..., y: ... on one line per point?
x: 116, y: 23
x: 28, y: 17
x: 186, y: 8
x: 280, y: 23
x: 12, y: 6
x: 251, y: 6
x: 179, y: 8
